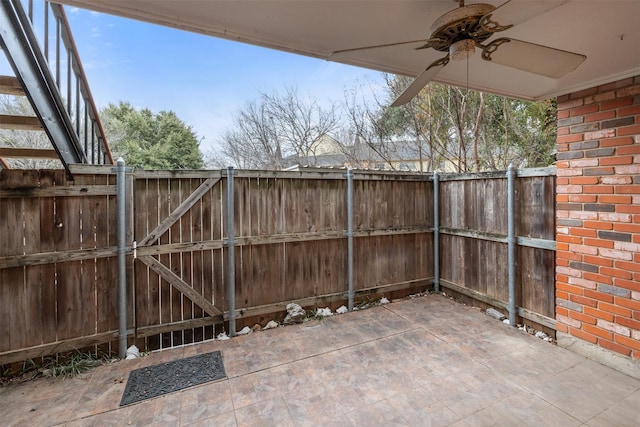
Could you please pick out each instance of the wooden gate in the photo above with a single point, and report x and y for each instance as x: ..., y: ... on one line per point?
x: 178, y: 250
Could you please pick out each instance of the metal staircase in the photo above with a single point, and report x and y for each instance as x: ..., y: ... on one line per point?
x: 38, y: 45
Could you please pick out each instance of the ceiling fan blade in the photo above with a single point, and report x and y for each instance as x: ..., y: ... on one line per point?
x: 514, y: 12
x: 421, y: 81
x: 531, y: 57
x: 343, y: 52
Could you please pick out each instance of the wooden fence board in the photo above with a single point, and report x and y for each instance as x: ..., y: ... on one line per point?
x: 291, y: 246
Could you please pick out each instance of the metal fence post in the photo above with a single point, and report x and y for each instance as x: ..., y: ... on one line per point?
x: 511, y: 241
x: 231, y: 253
x: 350, y: 236
x: 122, y: 253
x: 436, y: 232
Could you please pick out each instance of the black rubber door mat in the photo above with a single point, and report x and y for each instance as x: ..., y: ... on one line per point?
x: 156, y: 380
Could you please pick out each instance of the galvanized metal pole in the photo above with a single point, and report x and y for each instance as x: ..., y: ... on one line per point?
x: 122, y: 253
x: 350, y: 237
x: 231, y: 254
x: 436, y: 232
x: 511, y: 241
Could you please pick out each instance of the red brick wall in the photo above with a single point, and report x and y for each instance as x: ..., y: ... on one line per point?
x: 598, y: 216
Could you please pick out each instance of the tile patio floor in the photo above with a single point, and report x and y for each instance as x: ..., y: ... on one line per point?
x: 421, y: 362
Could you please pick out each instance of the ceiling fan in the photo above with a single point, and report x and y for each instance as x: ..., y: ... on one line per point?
x: 460, y: 31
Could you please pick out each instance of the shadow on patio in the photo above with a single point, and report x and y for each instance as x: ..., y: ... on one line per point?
x: 422, y: 361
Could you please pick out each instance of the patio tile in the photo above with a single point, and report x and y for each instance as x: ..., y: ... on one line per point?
x: 426, y: 361
x: 521, y: 409
x: 585, y: 390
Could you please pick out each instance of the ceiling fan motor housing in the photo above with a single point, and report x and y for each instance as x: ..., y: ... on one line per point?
x: 460, y: 24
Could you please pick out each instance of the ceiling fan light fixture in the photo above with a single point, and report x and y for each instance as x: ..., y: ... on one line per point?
x: 462, y: 49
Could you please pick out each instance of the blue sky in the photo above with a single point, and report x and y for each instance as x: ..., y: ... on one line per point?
x: 204, y: 80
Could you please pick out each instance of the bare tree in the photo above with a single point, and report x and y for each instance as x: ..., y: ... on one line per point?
x: 276, y: 131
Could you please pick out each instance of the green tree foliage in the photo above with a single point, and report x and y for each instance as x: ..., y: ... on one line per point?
x: 150, y: 141
x: 461, y: 130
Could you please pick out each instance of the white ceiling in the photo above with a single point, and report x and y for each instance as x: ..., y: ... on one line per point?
x: 606, y: 31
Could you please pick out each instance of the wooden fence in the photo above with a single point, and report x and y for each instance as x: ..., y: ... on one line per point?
x: 58, y: 270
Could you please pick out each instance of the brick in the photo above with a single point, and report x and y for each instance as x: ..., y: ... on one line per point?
x: 569, y: 189
x: 583, y: 163
x: 587, y: 284
x: 584, y: 267
x: 615, y: 254
x: 599, y: 314
x: 607, y: 216
x: 613, y: 327
x: 612, y: 235
x: 628, y: 189
x: 613, y: 161
x: 585, y: 319
x: 568, y: 321
x: 570, y: 222
x: 598, y: 225
x: 569, y: 206
x: 582, y: 180
x: 584, y: 109
x: 581, y: 198
x: 628, y: 91
x: 568, y: 271
x: 629, y: 323
x: 607, y: 198
x: 584, y: 127
x: 616, y: 103
x: 614, y: 291
x: 584, y: 145
x: 568, y: 255
x: 616, y: 123
x: 600, y: 171
x: 569, y: 305
x: 627, y: 283
x: 614, y: 309
x: 560, y: 327
x: 627, y: 130
x: 590, y: 293
x: 630, y: 266
x: 599, y: 207
x: 562, y: 311
x: 616, y: 272
x: 631, y: 343
x: 631, y: 209
x: 569, y: 155
x: 569, y: 288
x: 628, y: 246
x: 570, y: 138
x: 570, y: 121
x: 629, y: 169
x: 630, y: 149
x: 616, y: 142
x: 583, y: 249
x: 598, y: 243
x: 561, y: 198
x: 562, y: 114
x: 598, y: 260
x: 583, y: 300
x: 628, y: 111
x: 629, y: 228
x: 568, y: 239
x: 613, y: 346
x: 583, y: 335
x: 600, y: 152
x: 600, y: 134
x: 590, y: 328
x: 569, y: 172
x: 596, y: 117
x: 599, y: 278
x: 597, y: 189
x: 583, y: 215
x: 565, y: 104
x: 583, y: 232
x: 616, y: 180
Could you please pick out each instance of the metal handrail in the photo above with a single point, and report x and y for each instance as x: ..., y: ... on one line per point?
x: 52, y: 57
